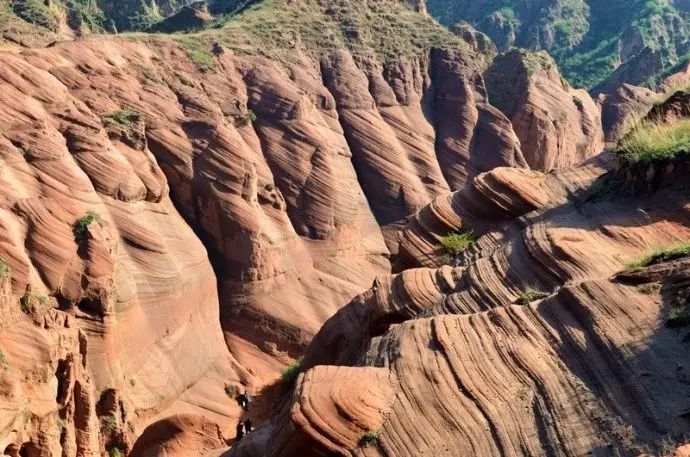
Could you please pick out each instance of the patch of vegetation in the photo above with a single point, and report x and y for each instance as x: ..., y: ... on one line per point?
x: 649, y: 289
x: 26, y: 303
x: 109, y: 424
x: 679, y: 315
x: 85, y: 14
x: 580, y: 35
x: 655, y: 141
x: 529, y: 295
x: 536, y: 61
x: 36, y: 12
x: 122, y: 117
x: 378, y: 28
x: 230, y: 390
x: 249, y: 119
x: 82, y: 224
x: 5, y: 271
x: 4, y: 364
x: 198, y: 52
x: 666, y: 254
x: 370, y: 438
x: 289, y: 375
x: 146, y: 17
x: 607, y: 186
x: 455, y: 243
x: 115, y: 451
x: 151, y: 75
x: 509, y: 15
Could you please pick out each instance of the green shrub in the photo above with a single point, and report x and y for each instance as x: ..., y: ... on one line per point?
x: 115, y: 451
x: 678, y: 317
x: 529, y: 295
x: 666, y: 254
x: 81, y: 225
x: 289, y: 376
x: 198, y: 53
x: 5, y: 271
x: 36, y: 12
x: 122, y: 117
x: 652, y: 141
x: 29, y: 298
x: 536, y: 61
x: 455, y: 243
x: 249, y: 119
x: 370, y: 438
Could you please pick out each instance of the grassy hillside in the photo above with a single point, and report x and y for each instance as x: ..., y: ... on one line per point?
x: 274, y: 28
x: 589, y: 39
x: 383, y: 28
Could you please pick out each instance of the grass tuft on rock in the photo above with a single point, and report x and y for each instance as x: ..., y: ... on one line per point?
x: 198, y: 52
x: 289, y: 375
x: 661, y: 255
x: 456, y: 243
x: 122, y: 117
x: 82, y: 224
x: 678, y: 317
x: 30, y: 299
x: 655, y: 141
x: 529, y: 295
x: 5, y: 271
x: 370, y: 438
x: 230, y: 390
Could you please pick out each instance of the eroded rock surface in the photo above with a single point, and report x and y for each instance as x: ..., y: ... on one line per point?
x: 623, y: 107
x: 590, y: 365
x: 556, y: 124
x: 197, y: 222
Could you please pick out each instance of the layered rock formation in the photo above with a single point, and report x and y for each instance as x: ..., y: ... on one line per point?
x: 179, y: 220
x: 556, y: 124
x: 623, y: 107
x: 125, y: 163
x: 589, y: 365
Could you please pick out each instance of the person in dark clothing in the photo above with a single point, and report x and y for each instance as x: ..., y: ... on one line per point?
x: 240, y: 431
x: 248, y: 425
x: 243, y: 401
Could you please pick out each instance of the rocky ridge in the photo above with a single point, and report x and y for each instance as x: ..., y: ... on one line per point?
x: 590, y: 364
x: 127, y: 165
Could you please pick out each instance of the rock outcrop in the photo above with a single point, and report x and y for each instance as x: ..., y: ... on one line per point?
x: 126, y: 166
x: 593, y: 363
x: 623, y: 107
x: 556, y: 124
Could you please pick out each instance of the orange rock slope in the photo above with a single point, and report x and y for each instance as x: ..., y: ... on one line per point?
x: 194, y: 227
x: 531, y: 345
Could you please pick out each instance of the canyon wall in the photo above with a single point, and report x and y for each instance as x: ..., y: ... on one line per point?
x: 192, y: 226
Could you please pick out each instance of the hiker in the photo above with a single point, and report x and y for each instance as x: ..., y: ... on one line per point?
x: 243, y: 400
x: 240, y: 431
x: 248, y: 425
